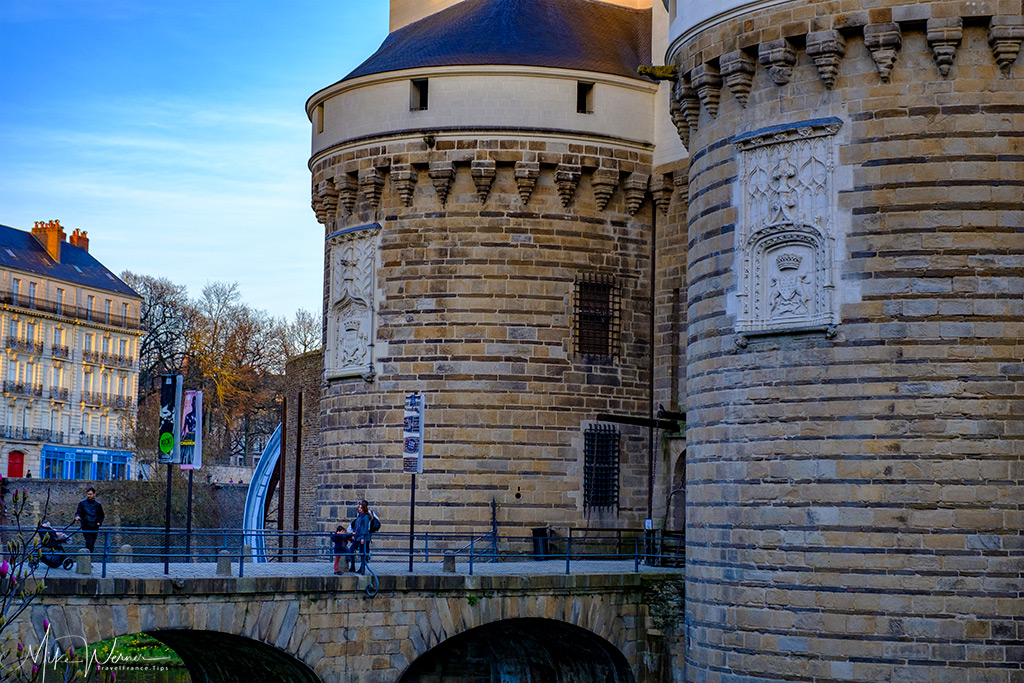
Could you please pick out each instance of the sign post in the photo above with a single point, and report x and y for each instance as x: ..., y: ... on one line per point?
x: 169, y: 446
x: 412, y: 456
x: 191, y: 449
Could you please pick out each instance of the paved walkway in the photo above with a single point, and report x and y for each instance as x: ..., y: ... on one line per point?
x: 148, y: 570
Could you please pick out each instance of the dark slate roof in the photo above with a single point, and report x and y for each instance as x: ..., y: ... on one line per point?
x: 570, y: 34
x: 31, y: 257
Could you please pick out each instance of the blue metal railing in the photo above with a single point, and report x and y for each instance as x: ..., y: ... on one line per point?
x: 147, y: 545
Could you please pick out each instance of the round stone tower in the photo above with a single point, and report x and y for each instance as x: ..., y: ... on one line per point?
x: 854, y: 377
x: 485, y: 184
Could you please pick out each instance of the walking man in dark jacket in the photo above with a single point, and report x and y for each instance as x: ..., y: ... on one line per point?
x: 90, y: 514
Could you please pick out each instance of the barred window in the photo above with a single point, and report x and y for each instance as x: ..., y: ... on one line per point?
x: 601, y: 467
x: 596, y: 316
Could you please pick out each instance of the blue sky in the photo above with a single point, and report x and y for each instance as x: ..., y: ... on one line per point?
x: 175, y: 132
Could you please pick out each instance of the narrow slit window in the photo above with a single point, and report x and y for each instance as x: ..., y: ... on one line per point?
x: 418, y: 94
x: 584, y: 97
x: 319, y: 116
x: 601, y: 467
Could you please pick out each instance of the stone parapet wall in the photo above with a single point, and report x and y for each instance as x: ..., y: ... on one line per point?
x: 329, y: 624
x: 348, y: 185
x: 855, y: 485
x: 520, y: 99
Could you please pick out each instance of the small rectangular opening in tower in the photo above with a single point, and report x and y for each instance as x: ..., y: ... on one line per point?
x: 318, y: 118
x: 596, y: 317
x: 601, y: 466
x: 418, y: 94
x: 584, y: 97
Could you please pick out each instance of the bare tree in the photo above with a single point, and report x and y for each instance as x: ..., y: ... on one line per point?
x: 166, y: 317
x: 303, y: 334
x: 236, y: 353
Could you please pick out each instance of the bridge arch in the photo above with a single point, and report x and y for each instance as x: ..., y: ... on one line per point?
x: 218, y: 657
x: 527, y: 649
x: 250, y: 641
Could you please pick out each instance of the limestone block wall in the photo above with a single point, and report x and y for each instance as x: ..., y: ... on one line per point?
x: 481, y: 238
x: 300, y: 448
x: 328, y: 624
x: 855, y: 486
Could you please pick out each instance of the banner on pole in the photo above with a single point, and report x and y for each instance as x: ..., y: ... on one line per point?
x: 191, y: 430
x: 168, y: 443
x: 412, y: 434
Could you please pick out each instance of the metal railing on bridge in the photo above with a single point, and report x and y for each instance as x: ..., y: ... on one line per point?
x: 118, y: 545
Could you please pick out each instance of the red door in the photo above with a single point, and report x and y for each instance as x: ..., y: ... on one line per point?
x: 15, y: 464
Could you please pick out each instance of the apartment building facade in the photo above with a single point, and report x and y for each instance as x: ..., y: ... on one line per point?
x: 69, y: 373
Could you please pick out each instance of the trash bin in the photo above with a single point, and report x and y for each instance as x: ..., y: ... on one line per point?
x: 540, y: 543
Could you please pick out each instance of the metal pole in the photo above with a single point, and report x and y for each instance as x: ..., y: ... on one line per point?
x: 298, y: 479
x: 650, y: 369
x: 167, y: 524
x: 282, y: 454
x: 188, y: 520
x: 412, y: 518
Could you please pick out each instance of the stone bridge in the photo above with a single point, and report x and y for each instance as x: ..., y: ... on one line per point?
x: 325, y: 629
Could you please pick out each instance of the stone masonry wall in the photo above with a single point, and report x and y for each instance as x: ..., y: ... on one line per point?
x: 304, y: 378
x: 329, y: 624
x: 481, y: 241
x: 855, y: 492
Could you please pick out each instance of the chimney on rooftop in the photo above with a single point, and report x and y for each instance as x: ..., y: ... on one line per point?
x: 79, y: 239
x: 50, y: 234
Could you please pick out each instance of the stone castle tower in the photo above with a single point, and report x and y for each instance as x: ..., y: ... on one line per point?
x: 833, y: 192
x: 854, y: 296
x: 485, y: 182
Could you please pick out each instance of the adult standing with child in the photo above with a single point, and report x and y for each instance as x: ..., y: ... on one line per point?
x: 362, y: 527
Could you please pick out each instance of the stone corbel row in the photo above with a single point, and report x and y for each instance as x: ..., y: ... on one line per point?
x: 339, y: 195
x: 702, y: 86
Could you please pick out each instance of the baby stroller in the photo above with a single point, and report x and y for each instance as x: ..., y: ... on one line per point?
x: 51, y: 547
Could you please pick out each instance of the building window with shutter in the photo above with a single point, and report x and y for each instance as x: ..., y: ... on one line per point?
x: 596, y: 317
x: 601, y: 467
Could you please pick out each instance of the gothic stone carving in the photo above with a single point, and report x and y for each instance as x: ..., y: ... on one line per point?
x: 884, y: 42
x: 404, y: 178
x: 605, y: 180
x: 737, y: 69
x: 1005, y: 34
x: 944, y: 34
x: 483, y: 172
x: 526, y: 173
x: 826, y: 48
x: 707, y: 81
x: 786, y: 236
x: 779, y: 56
x: 350, y: 314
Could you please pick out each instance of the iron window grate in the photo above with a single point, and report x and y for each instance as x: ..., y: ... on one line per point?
x: 596, y: 316
x: 601, y: 467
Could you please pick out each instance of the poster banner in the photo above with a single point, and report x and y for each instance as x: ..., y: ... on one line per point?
x: 412, y: 434
x: 168, y: 450
x: 191, y: 430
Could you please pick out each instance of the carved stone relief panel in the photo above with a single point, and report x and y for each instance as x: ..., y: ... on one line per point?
x: 786, y: 236
x: 351, y: 314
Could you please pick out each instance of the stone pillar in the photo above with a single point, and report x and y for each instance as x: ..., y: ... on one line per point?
x: 223, y: 563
